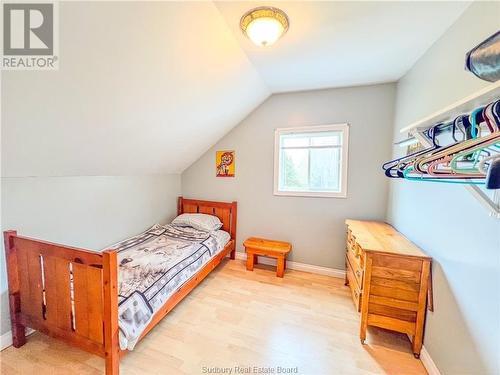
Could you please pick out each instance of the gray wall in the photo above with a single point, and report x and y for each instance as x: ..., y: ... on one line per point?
x: 103, y: 113
x: 89, y: 212
x: 463, y: 334
x: 315, y: 226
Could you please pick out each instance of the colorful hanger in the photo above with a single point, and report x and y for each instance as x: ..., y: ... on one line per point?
x: 467, y: 160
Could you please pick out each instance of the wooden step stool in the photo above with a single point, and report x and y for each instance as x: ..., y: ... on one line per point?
x: 255, y: 246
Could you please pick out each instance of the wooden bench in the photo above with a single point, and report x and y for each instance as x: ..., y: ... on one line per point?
x: 268, y: 248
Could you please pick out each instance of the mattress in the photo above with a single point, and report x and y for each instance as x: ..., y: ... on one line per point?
x: 154, y: 265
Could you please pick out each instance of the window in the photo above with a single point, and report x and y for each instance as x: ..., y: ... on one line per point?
x: 311, y: 161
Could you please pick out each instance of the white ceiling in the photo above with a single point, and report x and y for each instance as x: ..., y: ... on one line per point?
x: 344, y: 43
x: 148, y: 87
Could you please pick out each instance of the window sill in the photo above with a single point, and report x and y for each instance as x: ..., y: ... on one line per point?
x: 310, y: 194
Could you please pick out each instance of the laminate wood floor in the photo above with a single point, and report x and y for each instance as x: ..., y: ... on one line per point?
x: 238, y: 320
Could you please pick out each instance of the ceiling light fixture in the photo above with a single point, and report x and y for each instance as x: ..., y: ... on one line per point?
x: 264, y: 25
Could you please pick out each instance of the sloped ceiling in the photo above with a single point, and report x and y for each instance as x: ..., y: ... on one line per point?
x: 147, y: 88
x: 143, y: 88
x: 344, y: 43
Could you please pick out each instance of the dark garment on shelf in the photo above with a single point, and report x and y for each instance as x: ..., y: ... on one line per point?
x: 493, y: 176
x: 484, y: 59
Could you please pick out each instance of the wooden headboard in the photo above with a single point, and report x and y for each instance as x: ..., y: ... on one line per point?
x: 226, y: 212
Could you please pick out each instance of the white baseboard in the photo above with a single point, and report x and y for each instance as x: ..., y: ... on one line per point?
x: 6, y: 338
x: 428, y: 363
x: 333, y: 272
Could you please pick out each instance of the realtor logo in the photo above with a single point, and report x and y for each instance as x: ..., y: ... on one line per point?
x: 29, y: 36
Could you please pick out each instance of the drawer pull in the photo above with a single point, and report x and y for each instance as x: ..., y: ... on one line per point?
x: 358, y: 273
x: 356, y: 294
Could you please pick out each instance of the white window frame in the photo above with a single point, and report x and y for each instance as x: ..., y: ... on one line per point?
x: 344, y: 129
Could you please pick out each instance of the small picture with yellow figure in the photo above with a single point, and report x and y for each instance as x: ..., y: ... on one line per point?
x: 224, y: 162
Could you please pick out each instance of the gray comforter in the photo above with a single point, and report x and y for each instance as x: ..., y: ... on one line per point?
x: 152, y: 266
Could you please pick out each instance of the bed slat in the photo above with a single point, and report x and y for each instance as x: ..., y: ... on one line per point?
x: 223, y: 214
x: 30, y: 284
x: 88, y: 301
x: 36, y: 288
x: 190, y: 208
x: 80, y: 298
x: 49, y: 267
x: 206, y: 210
x: 95, y: 304
x: 57, y: 292
x: 24, y: 287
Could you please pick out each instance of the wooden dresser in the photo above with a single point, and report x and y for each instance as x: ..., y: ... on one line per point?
x: 389, y: 278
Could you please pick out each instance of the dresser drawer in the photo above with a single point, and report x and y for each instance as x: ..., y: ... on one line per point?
x: 354, y: 248
x: 356, y: 267
x: 350, y: 237
x: 353, y: 285
x: 357, y: 254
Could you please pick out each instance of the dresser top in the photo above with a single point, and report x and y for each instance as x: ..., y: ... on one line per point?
x: 381, y: 237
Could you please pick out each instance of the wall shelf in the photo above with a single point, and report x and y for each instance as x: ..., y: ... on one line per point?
x: 448, y: 113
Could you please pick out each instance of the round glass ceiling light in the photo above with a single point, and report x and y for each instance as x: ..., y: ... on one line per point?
x: 264, y: 25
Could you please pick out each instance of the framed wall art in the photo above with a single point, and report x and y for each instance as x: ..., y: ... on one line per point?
x: 224, y: 163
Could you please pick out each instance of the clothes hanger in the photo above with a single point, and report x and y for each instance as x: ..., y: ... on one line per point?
x: 456, y: 127
x: 475, y: 129
x: 488, y: 116
x: 446, y: 163
x: 459, y: 122
x: 473, y: 152
x: 440, y: 169
x: 429, y: 135
x: 400, y: 163
x: 420, y: 165
x: 472, y: 148
x: 421, y: 178
x: 491, y: 115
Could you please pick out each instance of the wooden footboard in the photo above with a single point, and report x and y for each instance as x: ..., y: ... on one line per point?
x: 64, y: 292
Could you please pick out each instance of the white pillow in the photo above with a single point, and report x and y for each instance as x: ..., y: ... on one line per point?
x: 207, y: 223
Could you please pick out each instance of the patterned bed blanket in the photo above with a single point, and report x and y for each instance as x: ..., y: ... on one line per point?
x: 154, y: 265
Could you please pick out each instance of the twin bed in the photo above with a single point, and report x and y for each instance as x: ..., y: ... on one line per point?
x: 105, y: 302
